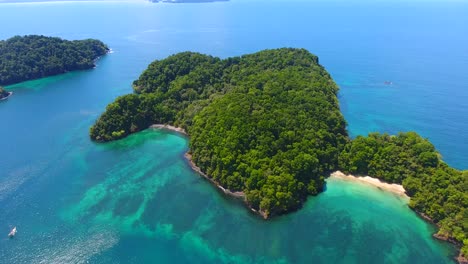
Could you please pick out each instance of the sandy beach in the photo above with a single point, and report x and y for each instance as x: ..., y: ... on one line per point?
x: 394, y: 188
x: 391, y: 187
x: 171, y: 128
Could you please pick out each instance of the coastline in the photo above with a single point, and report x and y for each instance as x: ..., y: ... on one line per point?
x: 390, y: 187
x: 239, y: 195
x: 170, y: 128
x: 192, y: 164
x: 459, y: 258
x: 188, y: 157
x: 396, y: 189
x: 400, y: 191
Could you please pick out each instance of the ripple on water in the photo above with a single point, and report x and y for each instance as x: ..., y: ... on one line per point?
x: 81, y: 250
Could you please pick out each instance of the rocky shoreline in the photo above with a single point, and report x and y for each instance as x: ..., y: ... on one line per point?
x: 192, y: 164
x: 237, y: 195
x: 188, y: 157
x: 194, y: 167
x: 460, y: 258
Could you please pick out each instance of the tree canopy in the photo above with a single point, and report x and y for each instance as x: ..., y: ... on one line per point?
x: 31, y: 57
x: 437, y: 191
x: 267, y: 124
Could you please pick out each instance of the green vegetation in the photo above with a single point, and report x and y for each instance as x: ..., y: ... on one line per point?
x: 437, y: 191
x: 32, y: 57
x: 275, y: 137
x: 269, y: 124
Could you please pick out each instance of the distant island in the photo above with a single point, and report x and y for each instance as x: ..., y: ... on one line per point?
x: 266, y: 127
x: 48, y: 1
x: 24, y: 58
x: 154, y: 1
x: 4, y: 94
x: 187, y: 1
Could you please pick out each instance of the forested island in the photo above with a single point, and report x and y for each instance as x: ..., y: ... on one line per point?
x: 24, y: 58
x: 268, y: 126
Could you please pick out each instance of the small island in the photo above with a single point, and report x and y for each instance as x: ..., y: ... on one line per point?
x: 186, y: 1
x: 24, y: 58
x: 267, y: 127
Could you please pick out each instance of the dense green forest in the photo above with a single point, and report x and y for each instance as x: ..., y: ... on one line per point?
x: 31, y: 57
x: 436, y: 190
x: 275, y: 137
x: 269, y: 124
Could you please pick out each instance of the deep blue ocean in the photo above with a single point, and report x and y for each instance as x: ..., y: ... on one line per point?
x: 137, y: 201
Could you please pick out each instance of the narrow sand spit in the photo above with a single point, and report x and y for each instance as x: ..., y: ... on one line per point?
x: 171, y: 128
x: 391, y: 187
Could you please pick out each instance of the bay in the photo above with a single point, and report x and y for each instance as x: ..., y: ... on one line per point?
x: 137, y: 201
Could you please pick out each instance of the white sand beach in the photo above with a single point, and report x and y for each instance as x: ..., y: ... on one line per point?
x: 169, y: 127
x: 391, y: 187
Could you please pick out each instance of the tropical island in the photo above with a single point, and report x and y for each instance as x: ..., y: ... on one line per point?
x: 267, y: 127
x: 24, y: 58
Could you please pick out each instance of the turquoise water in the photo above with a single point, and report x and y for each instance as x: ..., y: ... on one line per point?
x: 137, y: 201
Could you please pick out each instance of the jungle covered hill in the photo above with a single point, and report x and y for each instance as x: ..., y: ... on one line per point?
x: 24, y: 58
x: 268, y: 125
